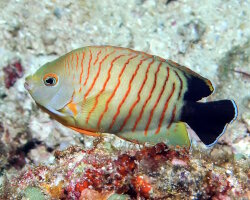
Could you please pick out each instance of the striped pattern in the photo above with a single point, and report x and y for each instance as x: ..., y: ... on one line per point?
x: 142, y: 92
x: 116, y: 87
x: 150, y: 93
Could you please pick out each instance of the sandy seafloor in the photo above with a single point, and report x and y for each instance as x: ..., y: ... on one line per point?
x: 212, y: 37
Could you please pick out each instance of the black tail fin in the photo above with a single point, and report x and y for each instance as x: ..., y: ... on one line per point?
x: 210, y: 119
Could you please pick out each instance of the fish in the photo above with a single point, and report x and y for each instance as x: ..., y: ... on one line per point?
x: 136, y: 96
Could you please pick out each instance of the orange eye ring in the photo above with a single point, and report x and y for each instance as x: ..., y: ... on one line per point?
x: 50, y: 79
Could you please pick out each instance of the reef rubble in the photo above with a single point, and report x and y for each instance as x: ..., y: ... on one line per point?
x: 156, y: 172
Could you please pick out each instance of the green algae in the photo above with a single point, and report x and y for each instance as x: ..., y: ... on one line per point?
x: 118, y: 197
x: 33, y: 193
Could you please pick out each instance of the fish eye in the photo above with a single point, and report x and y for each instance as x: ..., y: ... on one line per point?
x: 50, y: 79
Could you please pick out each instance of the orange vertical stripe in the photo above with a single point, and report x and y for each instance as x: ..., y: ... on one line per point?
x: 77, y: 58
x: 148, y: 98
x: 72, y: 60
x: 103, y: 88
x: 138, y: 95
x: 172, y: 117
x: 114, y: 91
x: 81, y: 74
x: 97, y: 75
x: 165, y: 109
x: 126, y: 94
x: 68, y: 64
x: 90, y: 59
x: 131, y: 80
x: 157, y: 101
x: 181, y: 84
x: 97, y: 57
x: 93, y: 83
x: 119, y: 81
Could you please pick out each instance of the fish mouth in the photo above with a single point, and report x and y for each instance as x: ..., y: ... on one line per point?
x: 27, y: 85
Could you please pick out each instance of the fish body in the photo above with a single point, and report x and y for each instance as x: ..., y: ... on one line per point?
x: 134, y: 95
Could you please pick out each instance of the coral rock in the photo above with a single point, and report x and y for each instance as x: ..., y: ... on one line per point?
x: 12, y: 72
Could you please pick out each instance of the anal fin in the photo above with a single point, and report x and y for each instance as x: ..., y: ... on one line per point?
x: 85, y: 132
x: 174, y: 136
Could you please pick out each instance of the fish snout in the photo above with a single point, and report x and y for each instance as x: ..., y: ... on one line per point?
x: 28, y: 85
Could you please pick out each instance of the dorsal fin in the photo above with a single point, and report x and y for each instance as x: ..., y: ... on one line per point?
x: 198, y: 86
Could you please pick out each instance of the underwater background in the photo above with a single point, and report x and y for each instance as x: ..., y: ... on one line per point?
x: 42, y: 159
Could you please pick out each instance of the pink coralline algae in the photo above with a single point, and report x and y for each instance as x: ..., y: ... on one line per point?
x: 12, y: 72
x: 105, y: 174
x: 124, y: 174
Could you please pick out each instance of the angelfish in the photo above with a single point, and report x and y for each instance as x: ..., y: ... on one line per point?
x: 134, y: 95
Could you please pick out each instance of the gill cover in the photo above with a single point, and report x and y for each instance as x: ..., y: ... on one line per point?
x: 51, y: 88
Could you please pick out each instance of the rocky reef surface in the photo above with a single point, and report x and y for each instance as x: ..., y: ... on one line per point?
x: 109, y: 172
x: 41, y: 159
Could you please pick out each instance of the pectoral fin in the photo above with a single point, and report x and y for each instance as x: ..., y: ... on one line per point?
x: 91, y: 108
x: 81, y: 116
